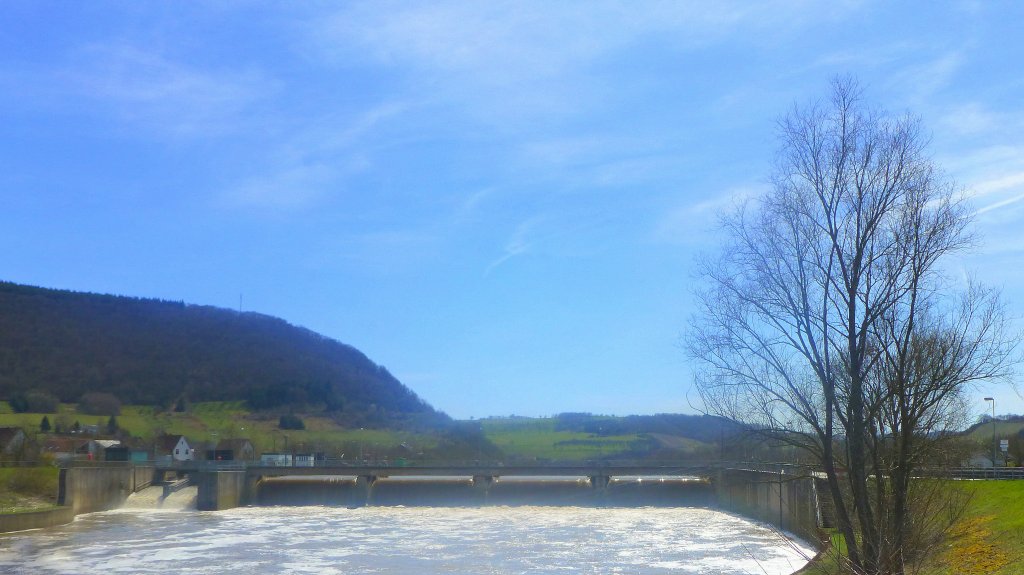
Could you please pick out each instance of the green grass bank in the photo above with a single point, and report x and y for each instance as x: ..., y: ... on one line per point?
x: 988, y: 539
x: 25, y: 489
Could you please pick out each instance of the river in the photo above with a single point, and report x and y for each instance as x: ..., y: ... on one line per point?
x: 403, y: 540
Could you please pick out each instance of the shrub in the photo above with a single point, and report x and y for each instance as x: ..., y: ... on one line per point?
x: 98, y: 403
x: 39, y: 481
x: 291, y: 421
x: 33, y: 402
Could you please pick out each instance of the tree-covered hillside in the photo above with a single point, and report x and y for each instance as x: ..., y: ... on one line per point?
x: 154, y: 352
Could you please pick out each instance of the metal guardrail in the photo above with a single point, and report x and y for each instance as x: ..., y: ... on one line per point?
x: 985, y: 473
x: 93, y: 463
x: 623, y: 468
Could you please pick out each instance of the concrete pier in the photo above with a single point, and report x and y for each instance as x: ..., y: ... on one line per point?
x: 220, y: 490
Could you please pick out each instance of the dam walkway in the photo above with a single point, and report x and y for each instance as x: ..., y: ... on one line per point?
x: 468, y: 469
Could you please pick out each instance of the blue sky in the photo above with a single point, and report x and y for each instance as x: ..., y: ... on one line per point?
x: 500, y: 202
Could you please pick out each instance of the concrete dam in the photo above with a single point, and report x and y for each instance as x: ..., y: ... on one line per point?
x: 785, y: 497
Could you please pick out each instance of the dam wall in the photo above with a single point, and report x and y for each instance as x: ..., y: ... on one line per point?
x: 83, y: 489
x: 785, y: 498
x: 99, y: 488
x: 599, y: 491
x: 788, y: 501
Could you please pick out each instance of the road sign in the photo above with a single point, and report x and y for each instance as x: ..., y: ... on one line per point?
x: 1004, y: 444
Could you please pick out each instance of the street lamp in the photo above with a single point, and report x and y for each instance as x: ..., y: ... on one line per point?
x: 993, y: 400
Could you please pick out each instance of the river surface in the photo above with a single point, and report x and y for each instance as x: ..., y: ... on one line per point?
x: 403, y: 540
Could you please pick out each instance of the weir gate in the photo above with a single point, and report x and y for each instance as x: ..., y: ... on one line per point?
x: 224, y: 485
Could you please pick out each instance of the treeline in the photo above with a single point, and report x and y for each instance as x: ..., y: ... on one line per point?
x: 706, y: 428
x: 143, y: 351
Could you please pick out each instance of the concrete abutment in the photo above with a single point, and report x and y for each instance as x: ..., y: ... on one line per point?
x: 87, y: 489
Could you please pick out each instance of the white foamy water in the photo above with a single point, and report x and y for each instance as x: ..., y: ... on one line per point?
x: 404, y: 541
x: 152, y: 498
x: 148, y: 498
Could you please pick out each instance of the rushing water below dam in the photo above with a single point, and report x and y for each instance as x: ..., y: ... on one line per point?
x: 403, y: 540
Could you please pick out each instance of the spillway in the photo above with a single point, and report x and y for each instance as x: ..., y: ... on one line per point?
x: 152, y: 498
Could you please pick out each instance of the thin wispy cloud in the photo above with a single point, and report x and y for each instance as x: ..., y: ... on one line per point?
x: 312, y: 162
x: 153, y: 91
x: 688, y: 223
x: 918, y: 82
x: 290, y: 188
x: 999, y: 184
x: 514, y: 61
x: 469, y: 206
x: 970, y: 118
x: 1000, y: 204
x: 521, y: 242
x: 1010, y: 183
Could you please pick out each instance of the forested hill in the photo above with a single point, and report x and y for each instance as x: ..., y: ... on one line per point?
x: 148, y: 351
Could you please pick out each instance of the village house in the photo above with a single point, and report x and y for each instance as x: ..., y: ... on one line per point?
x: 276, y: 459
x: 176, y: 447
x: 96, y: 449
x: 238, y: 449
x: 61, y: 448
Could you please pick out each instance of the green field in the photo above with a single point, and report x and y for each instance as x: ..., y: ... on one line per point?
x: 525, y: 438
x: 518, y: 438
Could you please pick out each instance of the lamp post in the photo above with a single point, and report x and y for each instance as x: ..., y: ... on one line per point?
x: 993, y: 400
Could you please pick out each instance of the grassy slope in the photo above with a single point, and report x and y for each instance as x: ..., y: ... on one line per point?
x: 27, y: 488
x: 518, y: 438
x: 989, y: 539
x: 220, y: 420
x: 983, y: 433
x: 524, y: 438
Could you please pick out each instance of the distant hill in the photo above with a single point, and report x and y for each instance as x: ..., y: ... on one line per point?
x: 1006, y: 426
x: 147, y: 351
x: 704, y: 428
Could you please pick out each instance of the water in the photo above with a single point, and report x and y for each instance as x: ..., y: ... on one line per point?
x: 403, y: 541
x: 152, y: 498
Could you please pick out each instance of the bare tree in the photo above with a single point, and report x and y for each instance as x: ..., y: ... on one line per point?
x: 827, y: 321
